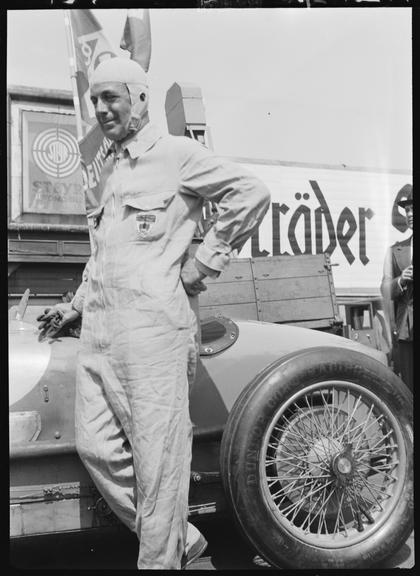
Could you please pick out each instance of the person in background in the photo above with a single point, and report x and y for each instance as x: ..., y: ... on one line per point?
x: 397, y: 288
x: 138, y: 338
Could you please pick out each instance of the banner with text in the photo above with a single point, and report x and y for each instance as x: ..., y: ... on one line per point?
x: 350, y: 214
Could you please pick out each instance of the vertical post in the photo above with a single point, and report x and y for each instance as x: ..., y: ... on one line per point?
x: 72, y: 62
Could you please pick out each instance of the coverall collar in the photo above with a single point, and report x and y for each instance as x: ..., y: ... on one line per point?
x: 139, y: 143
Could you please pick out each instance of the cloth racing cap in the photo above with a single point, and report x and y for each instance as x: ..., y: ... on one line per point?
x: 407, y: 197
x: 122, y: 70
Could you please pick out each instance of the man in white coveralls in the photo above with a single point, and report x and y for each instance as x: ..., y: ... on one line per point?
x: 133, y: 428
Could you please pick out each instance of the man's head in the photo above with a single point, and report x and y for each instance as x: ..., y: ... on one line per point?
x: 119, y: 92
x: 407, y: 203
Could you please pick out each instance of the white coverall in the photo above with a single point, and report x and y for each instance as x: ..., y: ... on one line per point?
x: 133, y: 429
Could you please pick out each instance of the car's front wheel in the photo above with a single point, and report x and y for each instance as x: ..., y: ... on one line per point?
x: 317, y: 461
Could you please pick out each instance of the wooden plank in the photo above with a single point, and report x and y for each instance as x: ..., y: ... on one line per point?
x: 44, y: 248
x: 218, y: 294
x: 239, y: 270
x: 48, y: 258
x: 16, y: 520
x: 239, y: 311
x: 45, y: 278
x: 292, y: 288
x: 314, y: 324
x: 76, y: 248
x: 30, y: 247
x: 296, y: 310
x: 43, y: 518
x: 289, y: 266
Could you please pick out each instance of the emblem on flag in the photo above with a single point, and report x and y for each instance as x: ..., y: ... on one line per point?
x: 88, y: 46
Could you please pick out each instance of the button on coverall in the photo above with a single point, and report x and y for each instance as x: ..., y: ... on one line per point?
x: 133, y: 429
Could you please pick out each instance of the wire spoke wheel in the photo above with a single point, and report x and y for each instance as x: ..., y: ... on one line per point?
x: 317, y: 461
x: 332, y: 464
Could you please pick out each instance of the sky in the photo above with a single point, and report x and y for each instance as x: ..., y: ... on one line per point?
x: 330, y: 86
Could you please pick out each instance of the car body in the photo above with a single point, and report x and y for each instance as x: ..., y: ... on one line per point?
x: 51, y: 491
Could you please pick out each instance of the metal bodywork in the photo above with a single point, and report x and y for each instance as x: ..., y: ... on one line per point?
x: 50, y: 489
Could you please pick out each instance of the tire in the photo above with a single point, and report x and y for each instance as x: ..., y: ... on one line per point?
x: 317, y: 461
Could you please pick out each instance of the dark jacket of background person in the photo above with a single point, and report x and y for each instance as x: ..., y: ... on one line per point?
x: 397, y: 258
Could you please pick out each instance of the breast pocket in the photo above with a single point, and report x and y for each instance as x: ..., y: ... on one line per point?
x: 148, y: 216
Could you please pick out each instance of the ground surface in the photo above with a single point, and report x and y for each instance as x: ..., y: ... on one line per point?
x: 226, y: 551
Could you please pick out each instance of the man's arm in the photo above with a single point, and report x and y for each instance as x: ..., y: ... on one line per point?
x: 393, y: 285
x: 241, y: 198
x: 79, y: 298
x: 55, y: 318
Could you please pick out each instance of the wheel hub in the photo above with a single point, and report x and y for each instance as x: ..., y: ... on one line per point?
x: 320, y: 455
x: 343, y: 465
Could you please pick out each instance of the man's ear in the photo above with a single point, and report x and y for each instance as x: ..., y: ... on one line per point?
x: 142, y: 96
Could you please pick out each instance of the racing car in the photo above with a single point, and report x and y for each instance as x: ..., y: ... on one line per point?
x: 305, y: 437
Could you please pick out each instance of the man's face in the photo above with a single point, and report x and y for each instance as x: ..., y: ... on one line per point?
x: 112, y: 104
x: 409, y: 215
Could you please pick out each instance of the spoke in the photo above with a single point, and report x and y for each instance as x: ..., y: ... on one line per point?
x: 321, y: 508
x: 299, y: 437
x: 325, y: 513
x: 319, y: 464
x: 383, y: 438
x: 332, y: 413
x: 318, y: 512
x: 379, y: 489
x: 378, y: 453
x: 279, y: 459
x: 349, y: 416
x: 306, y: 496
x: 310, y: 476
x: 294, y: 489
x: 350, y: 500
x: 361, y: 424
x: 308, y: 516
x: 298, y: 508
x: 310, y: 416
x: 375, y: 421
x: 337, y: 522
x: 373, y: 495
x: 313, y: 419
x: 377, y: 485
x: 322, y: 421
x: 339, y: 412
x: 303, y: 422
x: 356, y: 513
x: 326, y: 408
x: 289, y: 487
x: 377, y: 469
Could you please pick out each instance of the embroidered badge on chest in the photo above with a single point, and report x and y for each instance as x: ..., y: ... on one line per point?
x: 144, y: 222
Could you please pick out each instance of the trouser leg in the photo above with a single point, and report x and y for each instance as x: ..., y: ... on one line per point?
x: 162, y: 436
x: 101, y: 440
x: 406, y: 362
x: 145, y: 421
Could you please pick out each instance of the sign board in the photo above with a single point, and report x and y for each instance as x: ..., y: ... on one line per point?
x: 52, y: 179
x: 348, y: 213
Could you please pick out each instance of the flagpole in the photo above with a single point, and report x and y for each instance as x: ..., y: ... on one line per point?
x: 72, y: 62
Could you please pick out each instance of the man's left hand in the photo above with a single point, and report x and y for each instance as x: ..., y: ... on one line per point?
x: 192, y: 278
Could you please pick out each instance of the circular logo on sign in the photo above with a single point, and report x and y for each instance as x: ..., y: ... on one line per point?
x: 56, y: 153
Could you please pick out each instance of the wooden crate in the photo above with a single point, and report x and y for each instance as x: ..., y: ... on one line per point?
x: 296, y: 290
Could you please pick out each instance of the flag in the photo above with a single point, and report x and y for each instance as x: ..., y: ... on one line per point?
x: 137, y: 38
x: 88, y: 47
